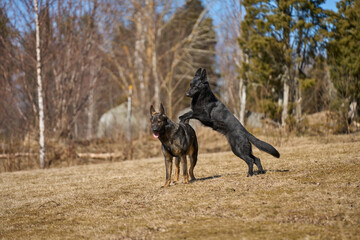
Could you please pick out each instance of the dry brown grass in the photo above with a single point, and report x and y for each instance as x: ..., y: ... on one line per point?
x: 311, y: 192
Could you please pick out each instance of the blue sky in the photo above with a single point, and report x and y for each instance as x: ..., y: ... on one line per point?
x: 216, y: 6
x: 330, y: 4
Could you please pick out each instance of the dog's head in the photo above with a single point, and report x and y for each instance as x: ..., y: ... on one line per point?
x: 158, y: 121
x: 198, y: 83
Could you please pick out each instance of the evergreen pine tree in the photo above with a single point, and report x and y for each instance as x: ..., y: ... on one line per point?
x: 343, y: 50
x: 280, y: 39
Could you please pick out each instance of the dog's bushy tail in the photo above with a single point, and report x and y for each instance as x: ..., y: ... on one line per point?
x: 263, y: 146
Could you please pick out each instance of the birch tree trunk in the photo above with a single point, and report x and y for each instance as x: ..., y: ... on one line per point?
x: 128, y: 135
x: 152, y: 35
x: 242, y: 89
x: 298, y: 110
x: 156, y: 78
x: 90, y: 115
x: 39, y: 90
x: 284, y: 114
x: 235, y: 18
x: 242, y: 92
x: 138, y: 54
x: 91, y: 105
x: 170, y: 94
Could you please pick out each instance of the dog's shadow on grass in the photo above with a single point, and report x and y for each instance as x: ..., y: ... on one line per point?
x: 258, y: 173
x: 206, y: 178
x: 278, y: 170
x: 255, y: 173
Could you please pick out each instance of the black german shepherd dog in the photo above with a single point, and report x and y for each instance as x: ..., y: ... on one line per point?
x: 178, y: 140
x: 212, y: 113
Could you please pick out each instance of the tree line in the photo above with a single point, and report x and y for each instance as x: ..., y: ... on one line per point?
x: 281, y: 58
x: 91, y: 52
x: 291, y: 58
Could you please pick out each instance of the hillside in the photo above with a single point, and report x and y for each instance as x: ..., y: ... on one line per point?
x: 311, y: 192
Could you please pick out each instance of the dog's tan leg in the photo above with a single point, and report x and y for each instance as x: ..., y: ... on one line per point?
x: 177, y: 170
x: 168, y: 166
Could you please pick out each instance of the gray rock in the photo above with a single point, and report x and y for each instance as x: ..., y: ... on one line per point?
x: 254, y: 119
x: 114, y: 122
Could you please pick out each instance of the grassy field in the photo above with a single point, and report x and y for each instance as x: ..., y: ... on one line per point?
x: 311, y: 192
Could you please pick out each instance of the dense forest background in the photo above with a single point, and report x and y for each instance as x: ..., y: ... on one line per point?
x: 283, y: 60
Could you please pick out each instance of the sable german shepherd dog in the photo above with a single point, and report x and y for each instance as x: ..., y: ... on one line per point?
x: 212, y: 113
x: 178, y: 140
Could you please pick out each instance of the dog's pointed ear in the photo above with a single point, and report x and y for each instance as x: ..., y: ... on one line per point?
x: 198, y: 72
x: 203, y: 76
x: 152, y: 110
x: 162, y: 110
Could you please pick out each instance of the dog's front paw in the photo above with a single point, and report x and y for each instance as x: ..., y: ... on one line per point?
x: 167, y: 183
x: 250, y: 174
x: 186, y: 179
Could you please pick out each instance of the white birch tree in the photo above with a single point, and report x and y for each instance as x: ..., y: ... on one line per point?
x: 286, y: 90
x: 39, y: 90
x: 230, y: 55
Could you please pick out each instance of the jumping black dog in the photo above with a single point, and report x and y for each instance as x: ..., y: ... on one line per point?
x: 178, y: 140
x: 212, y: 113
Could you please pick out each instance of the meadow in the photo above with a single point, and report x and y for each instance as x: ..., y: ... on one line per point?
x: 311, y: 192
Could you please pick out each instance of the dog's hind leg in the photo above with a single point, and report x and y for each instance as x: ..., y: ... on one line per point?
x: 193, y: 159
x: 177, y: 169
x: 184, y: 168
x: 243, y: 151
x: 250, y: 162
x: 258, y: 164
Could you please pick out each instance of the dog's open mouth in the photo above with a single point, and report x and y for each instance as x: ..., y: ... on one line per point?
x: 156, y: 135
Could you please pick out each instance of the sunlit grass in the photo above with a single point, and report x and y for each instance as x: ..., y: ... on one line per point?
x: 312, y: 191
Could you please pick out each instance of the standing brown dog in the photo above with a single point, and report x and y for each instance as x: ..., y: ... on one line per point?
x: 178, y: 140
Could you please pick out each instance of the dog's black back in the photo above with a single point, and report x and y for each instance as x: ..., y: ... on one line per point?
x: 212, y: 113
x: 177, y: 139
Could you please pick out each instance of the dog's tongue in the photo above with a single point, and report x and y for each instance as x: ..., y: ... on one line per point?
x: 156, y: 135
